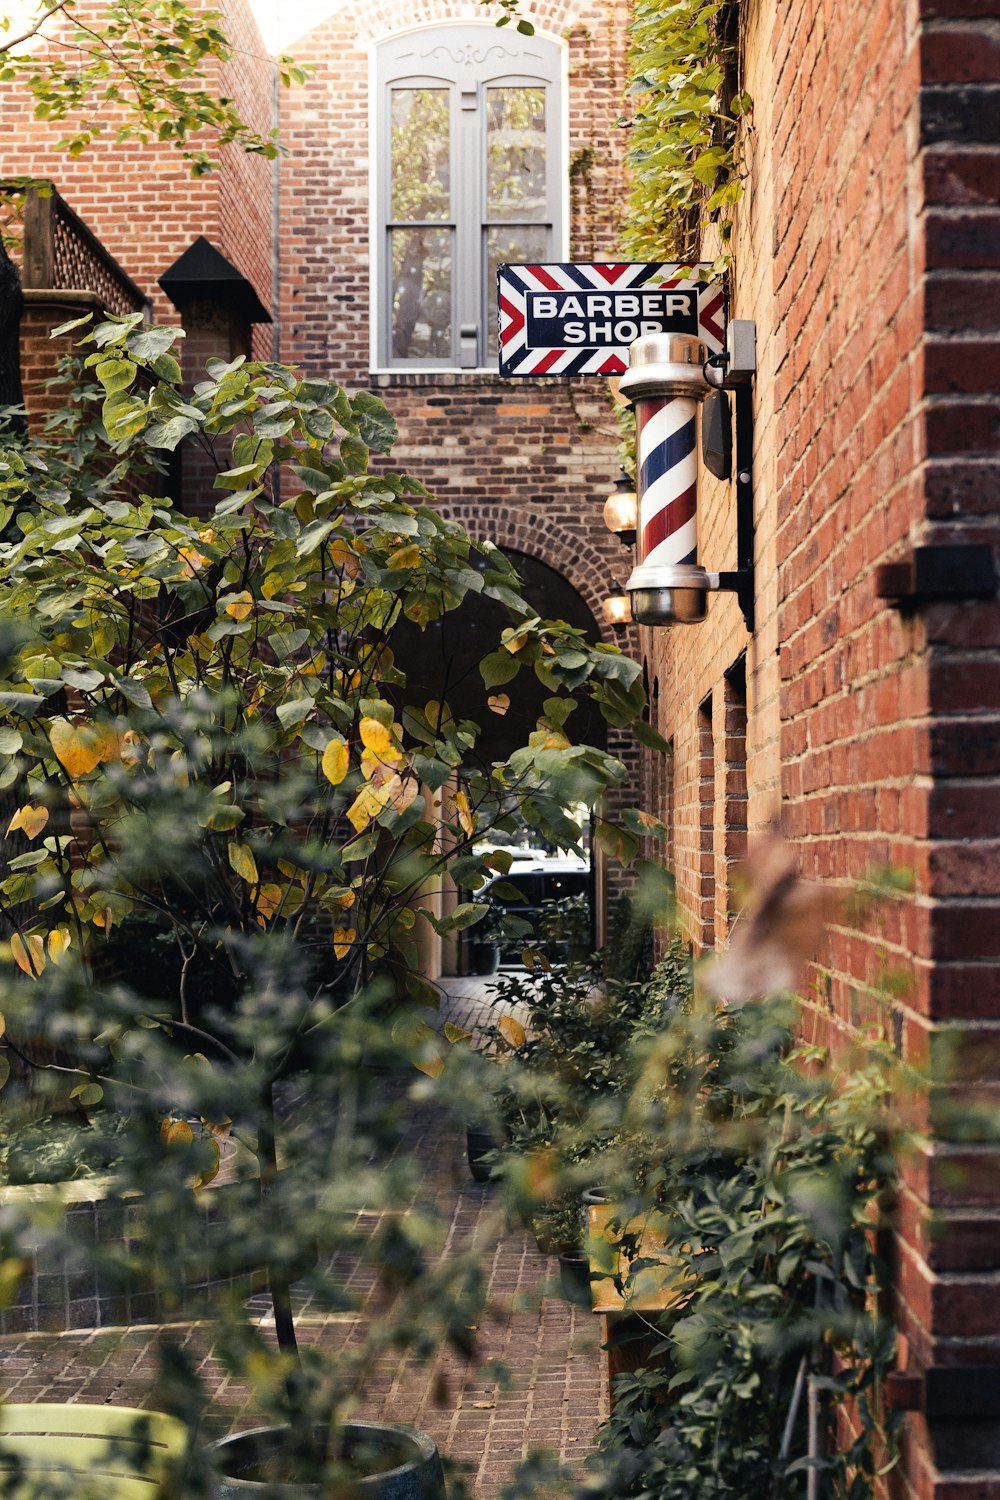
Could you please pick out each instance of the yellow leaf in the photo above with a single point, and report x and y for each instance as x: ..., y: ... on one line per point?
x: 268, y: 900
x: 498, y: 702
x: 242, y: 861
x: 399, y: 792
x: 367, y: 805
x: 456, y: 1033
x: 438, y: 714
x: 78, y: 747
x: 241, y: 606
x: 512, y: 1031
x: 336, y: 761
x: 176, y: 1132
x: 103, y: 918
x: 344, y: 899
x: 3, y: 1025
x: 465, y: 818
x: 110, y: 740
x: 432, y: 1066
x: 343, y: 940
x: 30, y: 820
x: 343, y: 558
x: 513, y: 640
x: 129, y: 749
x: 378, y: 741
x: 30, y: 956
x: 193, y: 560
x: 59, y: 942
x: 539, y: 1178
x: 212, y: 1170
x: 404, y: 557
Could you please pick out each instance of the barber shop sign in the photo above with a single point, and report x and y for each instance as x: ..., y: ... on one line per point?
x: 572, y: 319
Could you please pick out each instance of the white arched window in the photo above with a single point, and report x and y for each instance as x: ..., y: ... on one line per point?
x: 469, y: 174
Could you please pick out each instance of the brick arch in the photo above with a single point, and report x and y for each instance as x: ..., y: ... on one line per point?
x: 570, y: 554
x: 384, y: 18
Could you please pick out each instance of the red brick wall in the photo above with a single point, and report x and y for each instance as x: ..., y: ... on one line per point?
x: 140, y: 200
x: 953, y: 1276
x: 867, y: 251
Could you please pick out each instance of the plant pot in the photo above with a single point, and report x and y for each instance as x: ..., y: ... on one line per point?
x: 594, y: 1197
x: 574, y: 1278
x: 49, y: 1448
x: 485, y: 957
x: 479, y: 1143
x: 394, y: 1463
x: 551, y: 1240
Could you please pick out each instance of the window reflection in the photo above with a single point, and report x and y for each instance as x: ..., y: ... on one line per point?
x: 421, y: 154
x: 522, y: 242
x: 421, y: 293
x: 515, y: 153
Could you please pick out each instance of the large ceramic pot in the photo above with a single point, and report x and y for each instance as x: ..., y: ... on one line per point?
x: 574, y: 1278
x: 485, y: 957
x: 392, y: 1463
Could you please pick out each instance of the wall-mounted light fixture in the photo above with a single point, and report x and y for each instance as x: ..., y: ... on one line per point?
x: 620, y: 510
x: 617, y: 609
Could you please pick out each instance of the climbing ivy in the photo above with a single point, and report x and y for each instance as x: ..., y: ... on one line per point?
x: 684, y: 154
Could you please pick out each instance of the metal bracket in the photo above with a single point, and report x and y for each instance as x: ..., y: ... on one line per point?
x: 745, y: 593
x: 739, y: 363
x: 741, y: 582
x: 943, y: 571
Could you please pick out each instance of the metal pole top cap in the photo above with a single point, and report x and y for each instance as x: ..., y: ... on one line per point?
x: 665, y: 364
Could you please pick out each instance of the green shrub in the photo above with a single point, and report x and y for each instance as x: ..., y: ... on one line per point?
x: 766, y: 1171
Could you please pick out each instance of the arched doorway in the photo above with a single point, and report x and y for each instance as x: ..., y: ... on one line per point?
x: 442, y: 661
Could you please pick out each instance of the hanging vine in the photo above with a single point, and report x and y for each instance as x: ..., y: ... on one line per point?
x: 685, y: 151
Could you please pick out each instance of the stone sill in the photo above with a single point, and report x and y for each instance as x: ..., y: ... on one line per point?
x: 470, y: 380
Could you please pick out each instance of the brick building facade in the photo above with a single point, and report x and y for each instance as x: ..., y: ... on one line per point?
x: 863, y: 712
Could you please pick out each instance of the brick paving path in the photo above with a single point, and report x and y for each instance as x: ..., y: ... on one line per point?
x: 557, y: 1397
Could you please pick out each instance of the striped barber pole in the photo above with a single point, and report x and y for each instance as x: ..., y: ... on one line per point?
x: 667, y: 462
x: 580, y: 319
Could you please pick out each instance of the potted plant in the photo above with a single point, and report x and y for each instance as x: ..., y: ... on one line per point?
x: 379, y: 1460
x: 485, y: 942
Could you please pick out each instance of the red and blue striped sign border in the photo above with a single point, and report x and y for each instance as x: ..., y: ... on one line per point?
x: 517, y: 358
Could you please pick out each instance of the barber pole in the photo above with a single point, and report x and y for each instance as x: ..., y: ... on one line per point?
x: 665, y: 383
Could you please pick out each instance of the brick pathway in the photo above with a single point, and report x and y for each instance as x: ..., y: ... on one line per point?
x: 551, y: 1348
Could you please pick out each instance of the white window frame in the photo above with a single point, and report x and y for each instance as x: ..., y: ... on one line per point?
x: 382, y: 73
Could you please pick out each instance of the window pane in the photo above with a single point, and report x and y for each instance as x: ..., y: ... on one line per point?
x: 525, y: 242
x: 515, y: 153
x: 421, y: 174
x: 421, y: 293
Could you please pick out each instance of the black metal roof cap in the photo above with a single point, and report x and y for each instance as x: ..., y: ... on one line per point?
x: 203, y: 274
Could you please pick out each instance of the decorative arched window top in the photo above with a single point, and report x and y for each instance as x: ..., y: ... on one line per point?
x: 469, y: 173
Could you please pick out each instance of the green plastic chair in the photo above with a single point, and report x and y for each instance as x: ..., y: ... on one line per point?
x: 87, y: 1452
